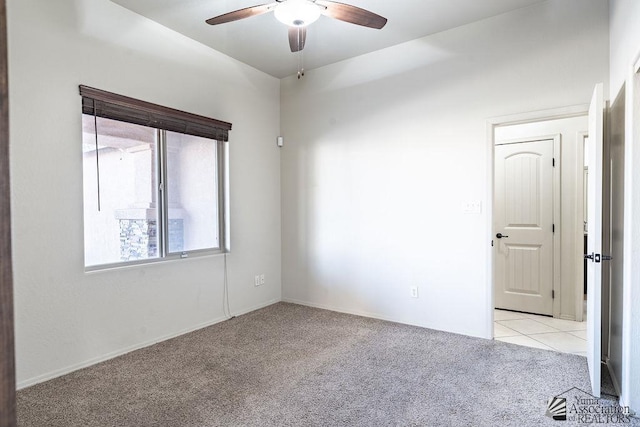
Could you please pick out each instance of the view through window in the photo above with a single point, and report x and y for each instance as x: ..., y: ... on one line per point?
x: 149, y: 193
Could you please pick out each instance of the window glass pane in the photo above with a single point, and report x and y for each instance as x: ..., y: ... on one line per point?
x: 192, y: 192
x: 125, y: 228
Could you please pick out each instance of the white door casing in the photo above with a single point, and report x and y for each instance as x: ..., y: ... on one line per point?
x: 594, y: 238
x: 524, y: 215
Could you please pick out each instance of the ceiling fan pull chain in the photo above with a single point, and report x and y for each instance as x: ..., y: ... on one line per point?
x: 300, y: 65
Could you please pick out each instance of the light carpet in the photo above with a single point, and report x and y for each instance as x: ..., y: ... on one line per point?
x: 290, y: 365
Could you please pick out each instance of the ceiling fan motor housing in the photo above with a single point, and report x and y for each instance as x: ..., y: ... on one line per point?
x: 297, y: 13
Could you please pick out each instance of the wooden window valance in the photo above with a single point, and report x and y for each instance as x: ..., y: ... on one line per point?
x: 118, y: 107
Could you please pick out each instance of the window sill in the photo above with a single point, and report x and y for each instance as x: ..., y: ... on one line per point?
x: 204, y: 253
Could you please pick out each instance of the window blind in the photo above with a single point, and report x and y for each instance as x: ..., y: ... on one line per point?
x: 109, y: 105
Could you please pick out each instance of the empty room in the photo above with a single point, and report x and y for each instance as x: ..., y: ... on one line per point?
x: 319, y: 213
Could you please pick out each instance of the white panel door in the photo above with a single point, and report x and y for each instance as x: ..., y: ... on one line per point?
x: 523, y: 223
x: 594, y: 239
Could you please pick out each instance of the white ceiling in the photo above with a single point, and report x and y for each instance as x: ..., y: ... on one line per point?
x: 262, y: 42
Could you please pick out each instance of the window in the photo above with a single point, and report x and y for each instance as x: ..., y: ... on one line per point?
x: 154, y: 181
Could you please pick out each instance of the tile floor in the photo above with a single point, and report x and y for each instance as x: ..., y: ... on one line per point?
x: 540, y: 332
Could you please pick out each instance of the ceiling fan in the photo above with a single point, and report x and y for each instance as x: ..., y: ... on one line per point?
x: 298, y: 14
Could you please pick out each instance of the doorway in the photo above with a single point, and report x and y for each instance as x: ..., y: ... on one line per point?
x: 555, y: 223
x: 546, y: 315
x: 570, y: 288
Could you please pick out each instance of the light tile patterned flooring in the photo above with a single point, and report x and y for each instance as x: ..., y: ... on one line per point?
x: 540, y: 332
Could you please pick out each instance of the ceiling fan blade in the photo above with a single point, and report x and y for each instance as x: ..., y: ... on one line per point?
x: 236, y: 15
x: 352, y: 14
x: 297, y: 38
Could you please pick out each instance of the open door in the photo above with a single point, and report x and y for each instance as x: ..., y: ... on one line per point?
x: 594, y: 238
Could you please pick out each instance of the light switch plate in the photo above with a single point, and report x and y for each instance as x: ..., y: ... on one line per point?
x: 473, y: 207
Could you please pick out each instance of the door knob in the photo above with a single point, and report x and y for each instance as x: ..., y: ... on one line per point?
x: 500, y: 236
x: 598, y: 257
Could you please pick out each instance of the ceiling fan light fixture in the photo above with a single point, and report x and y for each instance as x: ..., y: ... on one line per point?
x: 297, y: 13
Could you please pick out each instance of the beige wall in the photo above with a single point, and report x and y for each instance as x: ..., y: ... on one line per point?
x: 67, y: 318
x: 384, y: 151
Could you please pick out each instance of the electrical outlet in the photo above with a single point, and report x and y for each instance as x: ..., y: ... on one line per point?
x: 262, y: 279
x: 256, y: 280
x: 414, y: 292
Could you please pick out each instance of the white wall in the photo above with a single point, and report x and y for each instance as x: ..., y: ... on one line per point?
x: 624, y: 40
x: 383, y: 151
x: 625, y: 49
x: 66, y: 318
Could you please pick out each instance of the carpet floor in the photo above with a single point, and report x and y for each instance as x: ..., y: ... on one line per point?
x: 290, y: 365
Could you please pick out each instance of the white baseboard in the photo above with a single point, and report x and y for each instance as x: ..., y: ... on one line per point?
x: 354, y: 312
x: 68, y: 369
x: 374, y: 316
x: 241, y: 311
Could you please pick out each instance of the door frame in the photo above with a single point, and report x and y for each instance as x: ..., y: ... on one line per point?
x: 580, y: 182
x: 491, y: 125
x: 7, y: 355
x: 631, y: 212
